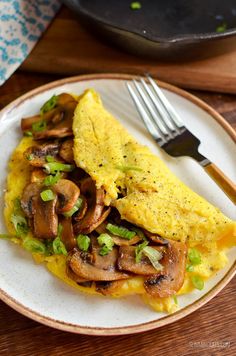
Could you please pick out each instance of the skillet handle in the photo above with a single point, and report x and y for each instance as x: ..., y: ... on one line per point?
x: 228, y: 187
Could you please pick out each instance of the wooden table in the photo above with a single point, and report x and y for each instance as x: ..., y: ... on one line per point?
x: 208, y: 331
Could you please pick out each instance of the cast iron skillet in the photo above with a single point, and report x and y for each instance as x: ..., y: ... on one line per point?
x: 170, y: 29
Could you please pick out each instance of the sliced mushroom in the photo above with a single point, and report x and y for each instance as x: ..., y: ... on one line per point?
x: 26, y: 123
x: 155, y: 238
x: 36, y: 155
x: 67, y: 235
x: 126, y: 261
x: 95, y: 214
x: 171, y: 279
x: 45, y: 219
x: 31, y: 191
x: 82, y: 211
x: 68, y: 193
x: 37, y: 175
x: 74, y: 276
x: 83, y: 265
x: 66, y: 150
x: 101, y: 229
x: 109, y: 287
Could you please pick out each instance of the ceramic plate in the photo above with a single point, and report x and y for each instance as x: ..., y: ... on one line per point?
x: 34, y: 292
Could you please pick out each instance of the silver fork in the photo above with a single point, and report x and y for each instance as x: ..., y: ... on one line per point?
x: 168, y: 130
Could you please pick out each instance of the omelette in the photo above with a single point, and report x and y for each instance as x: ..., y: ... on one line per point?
x: 103, y: 213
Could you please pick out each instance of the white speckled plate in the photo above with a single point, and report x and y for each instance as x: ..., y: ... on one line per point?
x: 34, y: 292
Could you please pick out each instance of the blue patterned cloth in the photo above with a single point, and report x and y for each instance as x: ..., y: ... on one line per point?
x: 22, y: 22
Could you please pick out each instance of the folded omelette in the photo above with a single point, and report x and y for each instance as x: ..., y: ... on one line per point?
x: 145, y: 193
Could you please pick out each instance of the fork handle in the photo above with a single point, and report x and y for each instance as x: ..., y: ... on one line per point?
x: 223, y: 182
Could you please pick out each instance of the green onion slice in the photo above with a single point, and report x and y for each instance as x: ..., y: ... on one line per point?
x: 28, y: 133
x: 75, y: 208
x: 49, y: 105
x: 57, y: 245
x: 83, y: 242
x: 20, y: 224
x: 154, y: 256
x: 51, y: 179
x: 197, y: 282
x: 106, y: 242
x: 39, y: 126
x: 50, y: 158
x: 120, y: 231
x: 135, y: 5
x: 34, y: 245
x: 139, y: 251
x: 54, y: 167
x: 30, y: 157
x: 189, y: 268
x: 47, y: 195
x: 194, y: 256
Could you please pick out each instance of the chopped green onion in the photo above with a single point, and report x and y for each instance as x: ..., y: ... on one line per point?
x: 39, y: 126
x: 222, y: 27
x: 135, y: 5
x: 20, y: 225
x: 154, y: 256
x: 139, y: 232
x: 49, y: 105
x: 53, y: 167
x: 129, y: 168
x: 197, y: 282
x: 30, y: 157
x: 51, y: 180
x: 50, y: 158
x: 83, y: 242
x: 175, y: 299
x: 120, y: 231
x: 49, y: 247
x: 194, y: 256
x: 28, y: 133
x: 189, y: 268
x: 34, y: 245
x: 106, y: 242
x: 139, y: 251
x: 47, y: 195
x: 75, y: 208
x: 57, y: 245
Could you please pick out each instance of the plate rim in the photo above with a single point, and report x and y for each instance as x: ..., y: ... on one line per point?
x: 154, y: 324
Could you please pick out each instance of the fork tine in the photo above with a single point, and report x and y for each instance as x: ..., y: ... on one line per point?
x: 174, y: 117
x: 153, y: 115
x: 145, y: 117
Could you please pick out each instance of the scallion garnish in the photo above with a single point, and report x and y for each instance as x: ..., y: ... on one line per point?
x: 106, y: 242
x: 189, y: 268
x: 120, y: 231
x: 39, y: 126
x: 222, y: 27
x: 30, y: 157
x: 54, y: 167
x: 47, y: 195
x: 57, y: 245
x: 197, y: 282
x: 154, y: 256
x: 194, y: 256
x: 75, y: 208
x: 20, y: 224
x: 129, y: 168
x: 83, y: 242
x: 28, y: 133
x: 135, y: 5
x: 51, y: 179
x: 34, y: 245
x: 50, y: 158
x: 49, y: 105
x: 139, y: 251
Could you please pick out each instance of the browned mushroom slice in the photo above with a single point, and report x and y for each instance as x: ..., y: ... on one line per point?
x: 83, y: 265
x: 109, y: 287
x: 68, y: 193
x: 37, y: 175
x: 126, y: 261
x: 101, y: 229
x: 66, y: 150
x: 171, y: 279
x: 27, y: 122
x: 67, y: 235
x: 36, y: 155
x: 45, y: 219
x: 82, y: 210
x: 95, y: 214
x: 155, y: 238
x: 81, y: 281
x: 30, y: 191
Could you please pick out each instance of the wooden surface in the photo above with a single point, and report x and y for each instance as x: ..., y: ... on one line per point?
x: 67, y: 48
x: 208, y: 331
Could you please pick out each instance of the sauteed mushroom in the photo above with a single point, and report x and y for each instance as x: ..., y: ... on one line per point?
x: 68, y: 193
x: 66, y: 151
x: 36, y: 155
x: 67, y: 234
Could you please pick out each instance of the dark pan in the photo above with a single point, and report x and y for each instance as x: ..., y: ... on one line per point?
x: 170, y: 29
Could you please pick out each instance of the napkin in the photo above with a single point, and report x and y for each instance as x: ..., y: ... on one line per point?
x: 22, y: 22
